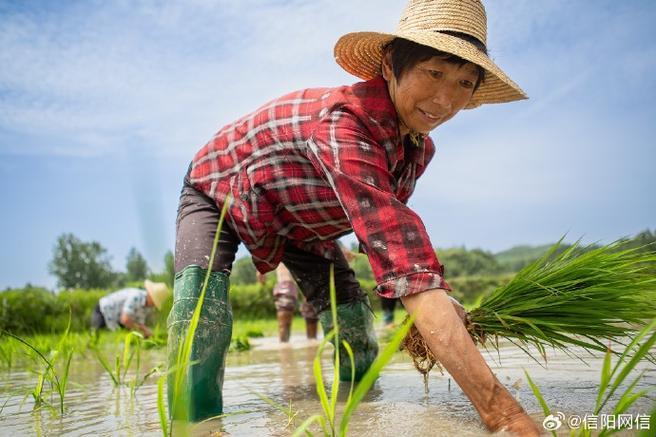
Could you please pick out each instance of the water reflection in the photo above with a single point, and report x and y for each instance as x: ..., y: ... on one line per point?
x: 395, y: 405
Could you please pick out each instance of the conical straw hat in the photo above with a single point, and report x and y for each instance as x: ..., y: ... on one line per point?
x: 423, y: 21
x: 158, y: 291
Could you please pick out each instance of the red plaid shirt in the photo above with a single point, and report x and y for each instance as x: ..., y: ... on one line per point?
x: 317, y: 164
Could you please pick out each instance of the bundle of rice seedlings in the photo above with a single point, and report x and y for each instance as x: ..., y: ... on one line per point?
x: 584, y: 296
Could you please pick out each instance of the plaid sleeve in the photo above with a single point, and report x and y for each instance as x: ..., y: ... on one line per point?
x: 393, y: 236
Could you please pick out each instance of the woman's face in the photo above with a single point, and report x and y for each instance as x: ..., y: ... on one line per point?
x: 429, y: 93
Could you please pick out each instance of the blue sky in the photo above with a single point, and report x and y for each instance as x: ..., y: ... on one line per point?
x: 104, y: 103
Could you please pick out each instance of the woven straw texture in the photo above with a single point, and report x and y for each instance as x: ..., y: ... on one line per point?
x: 360, y: 53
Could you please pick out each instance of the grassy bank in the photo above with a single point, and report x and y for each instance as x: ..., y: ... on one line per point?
x: 13, y: 354
x: 34, y: 310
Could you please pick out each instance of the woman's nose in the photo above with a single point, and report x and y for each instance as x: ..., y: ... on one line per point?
x: 444, y: 97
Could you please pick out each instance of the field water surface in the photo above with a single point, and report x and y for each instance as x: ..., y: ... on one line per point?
x: 396, y: 405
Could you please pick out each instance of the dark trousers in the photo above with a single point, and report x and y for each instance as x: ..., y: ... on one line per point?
x: 388, y: 304
x: 195, y: 228
x: 97, y: 318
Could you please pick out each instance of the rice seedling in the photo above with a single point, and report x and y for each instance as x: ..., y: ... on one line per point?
x: 132, y: 345
x: 7, y: 354
x: 287, y: 411
x: 58, y: 381
x: 128, y: 354
x: 4, y: 404
x: 115, y: 373
x: 161, y: 407
x: 573, y: 298
x: 240, y: 344
x: 127, y: 359
x: 254, y: 333
x: 579, y: 296
x: 328, y: 421
x: 649, y: 432
x: 610, y: 381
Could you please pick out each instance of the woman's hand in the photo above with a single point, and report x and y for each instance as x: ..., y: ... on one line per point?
x: 438, y: 321
x: 145, y: 330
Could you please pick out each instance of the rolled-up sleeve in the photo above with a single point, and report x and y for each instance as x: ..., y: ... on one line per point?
x: 393, y: 236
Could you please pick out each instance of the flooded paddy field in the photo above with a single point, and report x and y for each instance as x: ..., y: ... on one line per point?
x: 396, y: 404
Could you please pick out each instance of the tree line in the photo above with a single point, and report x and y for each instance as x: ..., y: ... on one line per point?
x: 79, y: 264
x: 86, y: 265
x: 461, y: 262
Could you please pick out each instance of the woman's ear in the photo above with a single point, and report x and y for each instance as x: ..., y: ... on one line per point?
x: 386, y: 65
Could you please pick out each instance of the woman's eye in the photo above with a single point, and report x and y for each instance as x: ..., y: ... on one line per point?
x: 435, y: 74
x: 467, y: 84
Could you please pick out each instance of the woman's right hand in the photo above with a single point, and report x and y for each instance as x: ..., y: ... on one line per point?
x: 507, y: 416
x: 454, y: 348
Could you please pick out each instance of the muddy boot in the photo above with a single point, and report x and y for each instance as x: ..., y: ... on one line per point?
x: 284, y: 325
x: 311, y: 329
x: 357, y: 328
x: 204, y: 383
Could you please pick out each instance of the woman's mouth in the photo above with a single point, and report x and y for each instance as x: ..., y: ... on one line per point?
x: 432, y: 118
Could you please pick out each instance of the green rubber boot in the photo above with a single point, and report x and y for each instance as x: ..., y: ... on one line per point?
x: 204, y: 383
x: 356, y: 326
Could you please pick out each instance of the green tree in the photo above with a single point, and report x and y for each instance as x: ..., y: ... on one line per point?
x: 136, y: 266
x: 169, y: 268
x: 78, y: 264
x: 459, y: 261
x: 646, y: 240
x: 243, y: 271
x: 166, y: 276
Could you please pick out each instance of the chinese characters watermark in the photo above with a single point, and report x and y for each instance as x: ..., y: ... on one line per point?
x: 597, y: 421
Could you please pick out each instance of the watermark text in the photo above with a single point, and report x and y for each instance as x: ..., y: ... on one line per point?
x: 597, y: 421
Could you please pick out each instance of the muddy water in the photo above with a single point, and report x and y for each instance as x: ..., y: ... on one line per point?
x: 396, y: 405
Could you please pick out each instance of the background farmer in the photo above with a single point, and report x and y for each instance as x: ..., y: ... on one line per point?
x: 129, y: 307
x: 316, y: 164
x: 285, y: 297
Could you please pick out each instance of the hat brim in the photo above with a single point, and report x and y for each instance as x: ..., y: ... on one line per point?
x: 157, y: 297
x: 360, y: 53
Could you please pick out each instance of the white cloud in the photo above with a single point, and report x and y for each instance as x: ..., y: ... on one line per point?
x: 136, y: 80
x: 163, y: 75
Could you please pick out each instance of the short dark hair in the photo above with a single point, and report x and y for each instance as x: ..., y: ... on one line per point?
x: 406, y: 54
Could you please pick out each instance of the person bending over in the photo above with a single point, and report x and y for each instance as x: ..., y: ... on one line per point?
x: 313, y: 165
x: 128, y: 307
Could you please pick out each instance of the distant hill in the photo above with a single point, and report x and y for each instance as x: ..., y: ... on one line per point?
x: 518, y: 257
x: 521, y: 251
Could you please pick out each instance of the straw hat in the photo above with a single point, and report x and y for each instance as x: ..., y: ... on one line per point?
x: 158, y: 291
x: 423, y: 21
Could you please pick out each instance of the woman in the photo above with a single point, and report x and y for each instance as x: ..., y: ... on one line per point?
x: 316, y: 164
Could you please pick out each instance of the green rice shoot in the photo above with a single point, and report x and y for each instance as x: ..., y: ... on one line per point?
x: 582, y: 296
